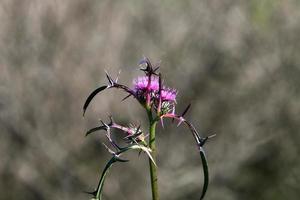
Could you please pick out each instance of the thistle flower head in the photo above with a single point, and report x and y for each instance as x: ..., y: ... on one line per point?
x: 150, y: 91
x: 168, y: 94
x: 141, y: 83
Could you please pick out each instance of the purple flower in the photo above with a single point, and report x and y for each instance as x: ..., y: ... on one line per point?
x: 150, y: 93
x: 141, y: 83
x: 168, y: 94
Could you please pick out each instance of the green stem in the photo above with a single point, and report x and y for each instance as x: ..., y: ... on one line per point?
x: 153, y: 168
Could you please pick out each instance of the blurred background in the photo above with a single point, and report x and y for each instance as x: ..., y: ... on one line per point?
x: 237, y: 62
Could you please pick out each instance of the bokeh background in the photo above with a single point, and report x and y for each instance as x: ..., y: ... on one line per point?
x: 237, y: 62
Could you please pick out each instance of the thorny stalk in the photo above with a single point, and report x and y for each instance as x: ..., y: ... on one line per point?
x: 159, y: 102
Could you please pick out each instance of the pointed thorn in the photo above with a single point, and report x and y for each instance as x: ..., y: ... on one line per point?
x: 211, y: 136
x: 102, y: 122
x: 162, y: 122
x: 108, y: 149
x: 126, y: 97
x: 111, y: 120
x: 138, y: 129
x: 94, y: 193
x: 155, y: 69
x: 118, y: 76
x: 173, y: 111
x: 204, y: 140
x: 186, y: 109
x: 143, y: 64
x: 111, y: 82
x: 140, y: 152
x: 159, y: 83
x: 121, y: 160
x: 180, y: 122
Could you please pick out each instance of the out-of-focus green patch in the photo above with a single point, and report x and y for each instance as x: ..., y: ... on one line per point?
x: 261, y: 12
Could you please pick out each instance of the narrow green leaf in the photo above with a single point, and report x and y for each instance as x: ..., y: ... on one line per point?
x: 98, y: 192
x: 91, y: 96
x: 205, y: 172
x: 96, y: 129
x: 103, y: 176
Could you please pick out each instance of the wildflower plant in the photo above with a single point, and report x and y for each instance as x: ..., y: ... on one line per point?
x: 159, y: 101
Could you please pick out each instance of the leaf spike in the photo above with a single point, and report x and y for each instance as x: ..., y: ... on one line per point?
x: 159, y: 94
x: 110, y: 80
x: 211, y: 136
x: 126, y: 97
x: 104, y: 124
x: 138, y: 129
x: 205, y: 172
x: 108, y: 149
x: 156, y: 68
x: 95, y: 129
x: 120, y: 159
x: 143, y: 64
x: 203, y: 140
x: 91, y: 96
x: 162, y: 122
x: 111, y: 120
x: 181, y: 119
x: 185, y: 110
x: 94, y: 193
x: 118, y: 76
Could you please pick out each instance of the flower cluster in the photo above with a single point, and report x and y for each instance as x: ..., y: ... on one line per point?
x: 150, y: 91
x: 159, y: 101
x: 143, y: 84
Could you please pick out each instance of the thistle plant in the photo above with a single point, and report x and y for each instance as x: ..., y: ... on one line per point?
x: 159, y: 102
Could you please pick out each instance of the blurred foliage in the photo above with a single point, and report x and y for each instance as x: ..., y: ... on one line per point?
x: 236, y: 61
